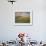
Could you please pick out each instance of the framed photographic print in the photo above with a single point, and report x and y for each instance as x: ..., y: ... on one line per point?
x: 23, y: 18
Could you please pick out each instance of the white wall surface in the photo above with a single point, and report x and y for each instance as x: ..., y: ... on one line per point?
x: 9, y: 31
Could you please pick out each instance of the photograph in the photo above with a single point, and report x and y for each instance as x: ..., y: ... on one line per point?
x: 23, y: 18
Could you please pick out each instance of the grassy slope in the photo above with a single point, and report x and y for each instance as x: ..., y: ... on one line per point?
x: 22, y: 19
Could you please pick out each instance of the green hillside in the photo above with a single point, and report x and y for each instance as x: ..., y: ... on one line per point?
x: 22, y: 19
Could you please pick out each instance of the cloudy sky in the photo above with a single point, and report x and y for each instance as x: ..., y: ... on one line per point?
x: 22, y: 13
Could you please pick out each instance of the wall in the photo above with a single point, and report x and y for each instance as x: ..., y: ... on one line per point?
x: 9, y: 31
